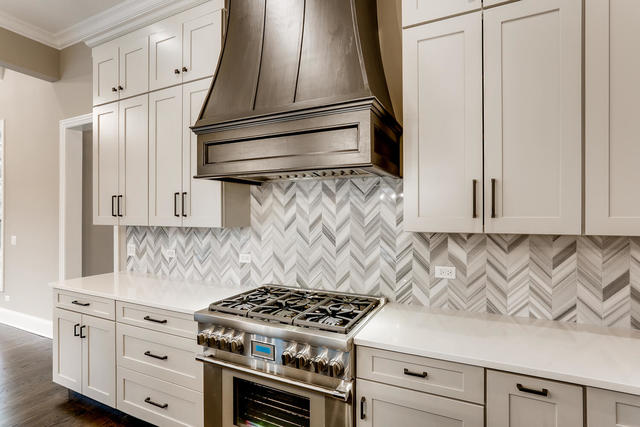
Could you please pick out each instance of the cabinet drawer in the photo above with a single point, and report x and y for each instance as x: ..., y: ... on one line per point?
x: 610, y: 409
x: 417, y: 11
x: 157, y: 401
x: 87, y: 304
x: 169, y: 322
x: 385, y: 405
x: 462, y: 382
x: 166, y: 357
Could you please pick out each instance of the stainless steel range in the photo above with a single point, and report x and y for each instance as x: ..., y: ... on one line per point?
x: 279, y: 356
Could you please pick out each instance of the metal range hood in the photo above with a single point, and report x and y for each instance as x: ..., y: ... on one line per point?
x: 299, y: 92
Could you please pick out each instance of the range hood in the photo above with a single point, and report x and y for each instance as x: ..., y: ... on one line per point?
x: 299, y: 92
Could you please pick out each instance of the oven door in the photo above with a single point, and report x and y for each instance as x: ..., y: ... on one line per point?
x: 235, y: 398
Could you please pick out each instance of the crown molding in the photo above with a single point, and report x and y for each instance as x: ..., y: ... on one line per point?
x: 120, y: 19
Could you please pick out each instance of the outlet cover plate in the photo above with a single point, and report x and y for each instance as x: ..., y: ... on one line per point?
x: 131, y: 250
x: 244, y: 259
x: 445, y: 272
x: 169, y: 253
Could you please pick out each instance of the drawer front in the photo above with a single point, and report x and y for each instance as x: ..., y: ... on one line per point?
x: 418, y: 11
x: 610, y: 409
x: 157, y: 401
x: 87, y: 304
x: 449, y: 379
x: 163, y: 356
x: 169, y: 322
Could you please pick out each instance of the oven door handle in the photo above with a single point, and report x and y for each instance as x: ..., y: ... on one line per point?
x: 340, y: 393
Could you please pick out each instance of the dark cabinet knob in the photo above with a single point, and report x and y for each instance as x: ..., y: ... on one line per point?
x: 176, y: 71
x: 184, y: 69
x: 120, y: 87
x: 113, y: 89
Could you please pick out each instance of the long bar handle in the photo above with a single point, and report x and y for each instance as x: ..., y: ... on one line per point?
x: 119, y: 208
x: 151, y: 402
x: 544, y: 392
x: 184, y: 195
x: 416, y: 374
x: 155, y: 356
x: 363, y: 408
x: 475, y: 197
x: 75, y: 330
x: 151, y: 319
x: 81, y: 304
x: 113, y: 206
x: 493, y: 197
x: 175, y: 204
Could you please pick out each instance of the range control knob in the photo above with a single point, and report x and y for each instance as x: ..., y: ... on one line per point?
x: 203, y: 337
x: 225, y: 340
x: 320, y: 363
x: 303, y: 358
x: 214, y: 337
x: 336, y: 367
x: 237, y: 343
x: 289, y: 354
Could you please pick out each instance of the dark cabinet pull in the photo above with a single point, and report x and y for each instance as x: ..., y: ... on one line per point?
x: 120, y: 87
x: 151, y: 319
x: 493, y: 197
x: 175, y: 204
x: 184, y: 195
x: 81, y: 304
x: 81, y: 328
x: 119, y: 208
x: 475, y: 196
x: 113, y: 206
x: 544, y: 392
x: 148, y: 353
x: 113, y: 89
x: 184, y: 69
x: 415, y: 374
x: 75, y: 330
x: 176, y: 71
x: 363, y: 408
x: 151, y: 402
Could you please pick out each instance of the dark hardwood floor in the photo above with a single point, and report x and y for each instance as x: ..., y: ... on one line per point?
x: 28, y: 397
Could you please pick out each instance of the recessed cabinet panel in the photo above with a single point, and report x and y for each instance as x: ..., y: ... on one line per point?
x: 611, y: 123
x: 67, y: 349
x: 105, y: 74
x: 99, y: 360
x: 519, y: 401
x: 202, y: 198
x: 133, y: 173
x: 165, y: 56
x: 134, y: 67
x: 417, y: 11
x: 532, y: 114
x: 201, y: 43
x: 443, y: 125
x: 165, y: 157
x: 105, y: 164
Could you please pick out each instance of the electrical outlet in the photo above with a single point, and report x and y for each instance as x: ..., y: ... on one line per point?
x: 7, y: 298
x: 245, y: 259
x: 443, y: 272
x: 170, y: 253
x: 131, y: 250
x: 14, y: 240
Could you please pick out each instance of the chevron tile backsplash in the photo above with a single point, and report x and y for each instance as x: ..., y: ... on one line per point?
x: 346, y: 235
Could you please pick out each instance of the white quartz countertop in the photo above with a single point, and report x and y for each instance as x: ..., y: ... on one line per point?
x: 175, y: 295
x: 587, y: 355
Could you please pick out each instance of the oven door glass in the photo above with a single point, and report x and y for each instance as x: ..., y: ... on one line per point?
x: 259, y: 405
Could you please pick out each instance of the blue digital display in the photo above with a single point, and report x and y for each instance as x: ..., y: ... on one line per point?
x: 263, y: 349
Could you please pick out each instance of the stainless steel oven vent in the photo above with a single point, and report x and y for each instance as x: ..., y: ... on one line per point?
x: 299, y: 87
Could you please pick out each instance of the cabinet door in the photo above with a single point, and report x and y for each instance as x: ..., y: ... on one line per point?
x: 384, y: 405
x: 133, y: 164
x: 134, y: 66
x: 443, y: 126
x: 165, y: 157
x: 532, y: 99
x: 99, y: 359
x: 416, y: 11
x: 105, y: 74
x: 67, y: 349
x: 105, y: 164
x: 519, y: 401
x: 165, y: 56
x: 612, y: 89
x: 201, y: 43
x: 610, y: 409
x: 202, y: 198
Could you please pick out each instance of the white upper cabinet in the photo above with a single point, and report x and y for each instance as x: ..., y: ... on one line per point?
x: 612, y: 90
x: 166, y: 56
x: 417, y: 11
x: 201, y: 44
x: 532, y: 117
x: 132, y: 166
x: 105, y: 164
x: 443, y: 125
x: 134, y: 67
x: 105, y: 73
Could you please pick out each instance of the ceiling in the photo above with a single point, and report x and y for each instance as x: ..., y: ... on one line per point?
x: 61, y: 23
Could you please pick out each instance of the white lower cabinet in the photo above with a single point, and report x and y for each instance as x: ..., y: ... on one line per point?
x: 384, y: 405
x: 84, y: 355
x: 520, y: 401
x: 611, y: 409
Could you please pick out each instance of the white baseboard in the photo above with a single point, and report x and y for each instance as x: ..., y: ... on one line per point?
x: 33, y: 324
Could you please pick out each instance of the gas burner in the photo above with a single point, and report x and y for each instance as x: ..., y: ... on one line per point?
x: 243, y: 303
x: 286, y: 308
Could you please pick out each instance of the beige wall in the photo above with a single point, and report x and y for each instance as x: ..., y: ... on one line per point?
x: 28, y: 56
x: 32, y: 109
